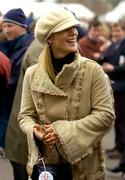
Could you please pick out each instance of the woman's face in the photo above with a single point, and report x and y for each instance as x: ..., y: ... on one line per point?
x: 64, y: 42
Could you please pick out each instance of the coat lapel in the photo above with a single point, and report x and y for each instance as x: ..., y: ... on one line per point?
x: 42, y: 82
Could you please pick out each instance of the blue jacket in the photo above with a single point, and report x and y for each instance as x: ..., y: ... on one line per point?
x: 113, y: 56
x: 15, y: 50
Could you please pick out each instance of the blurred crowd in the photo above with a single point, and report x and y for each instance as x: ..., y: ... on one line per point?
x: 99, y: 41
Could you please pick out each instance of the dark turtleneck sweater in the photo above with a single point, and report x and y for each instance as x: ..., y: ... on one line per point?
x: 59, y: 62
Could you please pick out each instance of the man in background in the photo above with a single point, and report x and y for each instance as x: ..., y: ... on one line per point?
x: 91, y: 43
x: 18, y: 40
x: 17, y: 152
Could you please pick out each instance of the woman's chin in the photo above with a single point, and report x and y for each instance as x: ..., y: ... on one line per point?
x: 73, y: 49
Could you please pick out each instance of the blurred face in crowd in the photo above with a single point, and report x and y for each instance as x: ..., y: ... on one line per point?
x: 95, y: 32
x: 64, y: 42
x: 117, y: 33
x: 12, y: 31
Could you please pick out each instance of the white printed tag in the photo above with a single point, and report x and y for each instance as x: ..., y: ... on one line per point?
x: 45, y: 175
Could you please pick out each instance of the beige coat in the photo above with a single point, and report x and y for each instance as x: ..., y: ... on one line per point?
x: 79, y: 105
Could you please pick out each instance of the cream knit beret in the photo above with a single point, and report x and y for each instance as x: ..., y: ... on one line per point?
x: 55, y: 21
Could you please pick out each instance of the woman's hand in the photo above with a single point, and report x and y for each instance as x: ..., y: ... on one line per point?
x: 38, y: 131
x: 46, y: 134
x: 50, y: 137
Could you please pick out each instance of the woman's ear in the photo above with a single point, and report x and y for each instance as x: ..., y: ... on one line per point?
x: 49, y: 40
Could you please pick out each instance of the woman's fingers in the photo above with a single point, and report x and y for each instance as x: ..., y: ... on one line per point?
x: 48, y: 128
x: 50, y: 138
x: 51, y: 142
x: 46, y: 133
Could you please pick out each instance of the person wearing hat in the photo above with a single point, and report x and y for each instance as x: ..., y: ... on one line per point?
x: 18, y: 40
x: 66, y: 102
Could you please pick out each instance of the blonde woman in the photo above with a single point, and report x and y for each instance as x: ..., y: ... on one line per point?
x: 66, y: 102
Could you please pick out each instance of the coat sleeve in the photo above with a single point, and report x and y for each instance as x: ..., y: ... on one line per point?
x: 79, y: 137
x: 27, y: 119
x: 28, y: 115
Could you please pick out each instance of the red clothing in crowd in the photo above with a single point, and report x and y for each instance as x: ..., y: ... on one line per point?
x: 4, y: 65
x: 88, y: 47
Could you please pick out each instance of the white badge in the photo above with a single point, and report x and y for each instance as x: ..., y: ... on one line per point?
x: 45, y: 175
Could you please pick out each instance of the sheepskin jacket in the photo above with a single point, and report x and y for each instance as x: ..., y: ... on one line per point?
x: 78, y: 102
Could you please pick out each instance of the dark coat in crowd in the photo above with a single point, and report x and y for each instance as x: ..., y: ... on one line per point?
x: 14, y: 49
x: 116, y: 56
x: 4, y: 76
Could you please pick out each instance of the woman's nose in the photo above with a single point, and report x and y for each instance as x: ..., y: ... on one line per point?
x: 73, y: 31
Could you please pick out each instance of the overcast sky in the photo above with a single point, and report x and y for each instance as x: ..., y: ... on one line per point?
x: 20, y: 1
x: 40, y: 9
x: 6, y: 5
